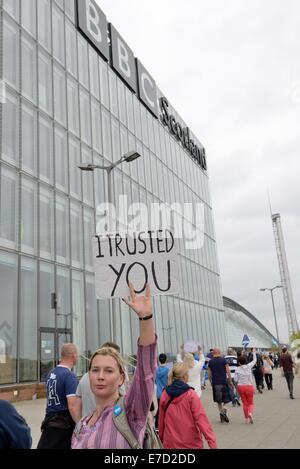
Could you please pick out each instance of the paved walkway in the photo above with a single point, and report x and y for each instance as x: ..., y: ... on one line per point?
x: 276, y: 419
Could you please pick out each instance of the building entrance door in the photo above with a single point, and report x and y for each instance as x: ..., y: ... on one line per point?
x: 51, y: 341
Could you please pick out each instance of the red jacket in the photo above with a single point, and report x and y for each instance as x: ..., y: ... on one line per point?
x: 184, y: 422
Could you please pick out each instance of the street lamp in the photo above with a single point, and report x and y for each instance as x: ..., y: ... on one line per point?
x: 271, y: 290
x: 127, y: 158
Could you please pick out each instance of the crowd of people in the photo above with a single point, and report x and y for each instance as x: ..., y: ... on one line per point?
x: 107, y: 409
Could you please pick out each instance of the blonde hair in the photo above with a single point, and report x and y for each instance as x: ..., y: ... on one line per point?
x: 109, y: 352
x: 178, y: 371
x: 189, y: 360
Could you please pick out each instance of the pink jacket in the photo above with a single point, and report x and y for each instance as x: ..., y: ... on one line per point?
x: 182, y: 426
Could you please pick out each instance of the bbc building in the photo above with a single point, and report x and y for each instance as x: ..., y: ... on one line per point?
x: 73, y: 93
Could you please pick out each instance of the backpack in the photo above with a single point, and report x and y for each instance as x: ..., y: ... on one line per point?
x: 151, y: 438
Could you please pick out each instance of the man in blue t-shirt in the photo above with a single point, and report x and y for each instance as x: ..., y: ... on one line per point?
x: 61, y: 415
x: 219, y: 375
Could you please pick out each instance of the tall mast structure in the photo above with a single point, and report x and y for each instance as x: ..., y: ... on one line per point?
x: 284, y: 275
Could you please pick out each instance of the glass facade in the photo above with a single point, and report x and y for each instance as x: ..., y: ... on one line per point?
x: 63, y: 106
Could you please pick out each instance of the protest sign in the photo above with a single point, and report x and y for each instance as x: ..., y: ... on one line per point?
x: 139, y: 258
x: 190, y: 346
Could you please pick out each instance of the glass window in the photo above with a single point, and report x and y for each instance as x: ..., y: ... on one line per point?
x: 92, y: 326
x: 10, y: 129
x: 60, y: 3
x: 29, y: 68
x: 87, y: 177
x: 73, y: 106
x: 46, y: 288
x: 115, y: 130
x: 62, y: 230
x: 28, y: 215
x: 71, y: 51
x: 78, y: 319
x: 122, y: 102
x: 85, y: 117
x: 151, y: 131
x: 106, y: 134
x: 46, y: 149
x: 28, y: 320
x: 76, y: 235
x: 44, y: 18
x: 70, y: 9
x: 94, y: 73
x: 61, y: 159
x: 144, y: 126
x: 140, y: 164
x: 45, y: 82
x: 59, y: 95
x: 9, y: 208
x: 99, y: 176
x: 46, y: 219
x: 129, y: 109
x: 58, y: 35
x: 137, y: 118
x: 96, y: 126
x: 124, y: 148
x: 83, y: 62
x: 8, y: 316
x: 29, y: 139
x: 29, y: 15
x: 113, y: 96
x: 89, y: 232
x: 75, y: 173
x: 12, y: 7
x: 11, y: 60
x: 103, y: 72
x: 63, y: 298
x: 147, y: 164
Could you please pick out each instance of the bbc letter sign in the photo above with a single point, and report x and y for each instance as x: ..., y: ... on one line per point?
x: 137, y: 258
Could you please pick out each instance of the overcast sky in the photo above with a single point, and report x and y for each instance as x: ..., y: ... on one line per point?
x: 231, y: 68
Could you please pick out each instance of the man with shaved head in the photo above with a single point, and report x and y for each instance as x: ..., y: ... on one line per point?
x: 61, y: 416
x: 219, y: 375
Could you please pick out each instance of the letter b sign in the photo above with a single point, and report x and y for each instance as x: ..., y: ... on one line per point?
x: 93, y: 24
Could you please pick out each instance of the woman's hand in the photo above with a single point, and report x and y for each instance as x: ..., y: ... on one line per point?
x: 140, y: 304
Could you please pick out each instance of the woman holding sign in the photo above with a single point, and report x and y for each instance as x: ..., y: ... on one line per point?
x: 107, y: 374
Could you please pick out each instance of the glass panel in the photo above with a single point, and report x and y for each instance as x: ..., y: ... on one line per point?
x: 58, y: 35
x: 61, y: 159
x: 59, y: 95
x: 78, y: 318
x: 73, y: 106
x: 96, y: 126
x: 28, y: 215
x: 104, y: 320
x: 112, y: 78
x: 85, y: 116
x: 62, y: 230
x: 116, y: 151
x: 29, y: 139
x: 76, y: 235
x: 83, y: 62
x: 28, y: 321
x: 10, y: 129
x: 70, y: 9
x: 10, y: 50
x: 46, y: 149
x: 137, y: 118
x: 94, y: 73
x: 106, y: 134
x: 29, y: 68
x: 8, y: 316
x: 9, y: 208
x: 44, y: 29
x: 92, y: 331
x: 71, y: 48
x: 63, y: 298
x: 45, y: 82
x: 46, y: 287
x: 46, y: 217
x: 47, y: 354
x: 12, y: 7
x: 122, y: 103
x: 75, y: 173
x: 129, y: 109
x: 29, y: 15
x: 89, y: 231
x: 87, y: 177
x: 103, y: 72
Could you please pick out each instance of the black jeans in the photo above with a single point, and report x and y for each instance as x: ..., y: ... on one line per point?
x: 289, y: 376
x: 269, y: 380
x: 259, y: 378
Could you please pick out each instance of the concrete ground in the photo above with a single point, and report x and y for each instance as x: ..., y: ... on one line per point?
x: 276, y: 419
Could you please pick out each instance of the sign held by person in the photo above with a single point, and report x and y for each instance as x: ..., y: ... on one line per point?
x: 137, y: 258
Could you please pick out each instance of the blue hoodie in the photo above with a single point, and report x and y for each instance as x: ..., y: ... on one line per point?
x: 161, y: 379
x: 177, y: 388
x: 14, y: 431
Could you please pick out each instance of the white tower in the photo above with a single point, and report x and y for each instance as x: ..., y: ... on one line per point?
x: 284, y: 275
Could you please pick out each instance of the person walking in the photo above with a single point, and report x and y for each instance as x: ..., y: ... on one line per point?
x: 297, y: 367
x: 161, y: 381
x: 182, y: 418
x: 244, y: 380
x: 220, y: 378
x: 257, y: 370
x: 107, y: 374
x: 61, y: 413
x: 268, y: 371
x: 194, y: 368
x: 14, y: 431
x: 232, y: 361
x: 287, y: 365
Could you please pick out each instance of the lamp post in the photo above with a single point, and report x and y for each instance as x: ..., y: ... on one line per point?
x: 271, y: 291
x: 128, y: 158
